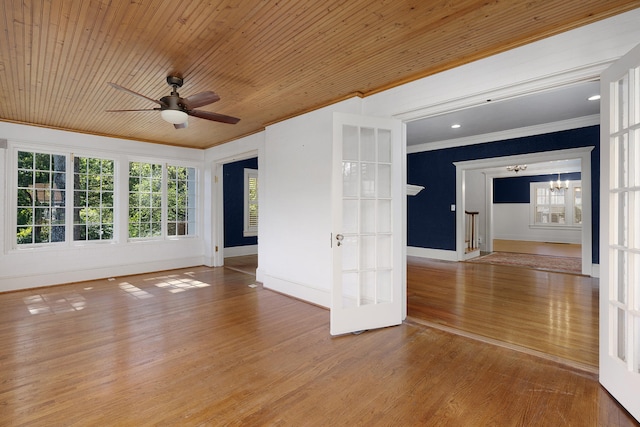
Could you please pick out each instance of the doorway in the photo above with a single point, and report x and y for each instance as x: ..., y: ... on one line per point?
x: 515, y: 210
x: 462, y: 287
x: 495, y: 167
x: 235, y: 196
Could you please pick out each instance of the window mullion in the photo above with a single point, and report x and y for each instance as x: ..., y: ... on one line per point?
x: 69, y: 200
x: 164, y: 201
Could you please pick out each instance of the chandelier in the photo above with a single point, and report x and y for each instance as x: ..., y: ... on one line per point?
x: 516, y: 168
x: 558, y: 185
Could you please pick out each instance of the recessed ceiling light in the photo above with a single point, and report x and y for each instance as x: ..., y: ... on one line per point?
x: 593, y: 98
x: 456, y: 126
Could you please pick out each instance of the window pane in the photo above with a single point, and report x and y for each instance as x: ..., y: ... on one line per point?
x: 181, y: 192
x: 577, y: 205
x: 91, y: 201
x: 558, y: 207
x: 40, y: 198
x: 145, y: 181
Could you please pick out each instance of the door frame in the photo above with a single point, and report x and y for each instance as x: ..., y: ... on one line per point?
x: 217, y: 202
x: 582, y: 153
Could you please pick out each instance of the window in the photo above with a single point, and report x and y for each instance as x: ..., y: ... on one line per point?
x: 181, y: 197
x: 93, y: 185
x: 41, y: 198
x: 577, y: 205
x: 145, y: 200
x: 250, y: 202
x: 556, y: 208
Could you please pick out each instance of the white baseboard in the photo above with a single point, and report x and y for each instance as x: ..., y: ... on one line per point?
x: 595, y: 270
x: 440, y: 254
x: 241, y: 251
x: 317, y: 296
x: 63, y: 277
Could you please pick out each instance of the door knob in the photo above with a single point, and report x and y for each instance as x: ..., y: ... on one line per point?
x: 339, y: 238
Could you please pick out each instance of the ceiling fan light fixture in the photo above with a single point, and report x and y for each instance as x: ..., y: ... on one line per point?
x: 175, y: 117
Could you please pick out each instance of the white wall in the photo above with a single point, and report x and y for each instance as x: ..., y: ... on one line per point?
x: 32, y: 267
x: 295, y: 204
x: 511, y: 222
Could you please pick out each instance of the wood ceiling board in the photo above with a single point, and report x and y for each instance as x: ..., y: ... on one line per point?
x: 267, y: 60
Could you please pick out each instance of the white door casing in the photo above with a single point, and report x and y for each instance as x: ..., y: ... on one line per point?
x: 620, y: 231
x: 367, y: 196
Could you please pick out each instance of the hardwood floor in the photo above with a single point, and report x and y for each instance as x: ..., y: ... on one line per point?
x: 199, y: 346
x: 538, y: 248
x: 550, y: 314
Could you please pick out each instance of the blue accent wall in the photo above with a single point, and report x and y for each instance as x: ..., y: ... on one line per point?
x: 517, y: 189
x: 233, y: 196
x: 430, y: 222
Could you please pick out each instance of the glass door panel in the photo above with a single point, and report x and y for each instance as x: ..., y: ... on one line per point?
x: 367, y: 288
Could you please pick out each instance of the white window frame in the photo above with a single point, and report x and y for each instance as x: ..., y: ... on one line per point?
x: 192, y: 203
x: 568, y: 205
x: 115, y: 206
x: 249, y: 230
x: 13, y: 194
x: 164, y: 202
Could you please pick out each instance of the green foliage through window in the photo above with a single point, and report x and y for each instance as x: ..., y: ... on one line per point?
x: 145, y: 200
x: 93, y: 198
x: 41, y: 198
x: 181, y: 196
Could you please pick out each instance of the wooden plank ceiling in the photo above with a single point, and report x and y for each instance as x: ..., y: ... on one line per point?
x: 267, y: 60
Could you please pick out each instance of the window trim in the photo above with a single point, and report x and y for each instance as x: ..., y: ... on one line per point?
x: 568, y: 205
x: 196, y: 192
x: 115, y: 232
x: 164, y: 198
x: 12, y: 195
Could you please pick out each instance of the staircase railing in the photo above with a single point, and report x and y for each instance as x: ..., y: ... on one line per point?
x: 471, y: 231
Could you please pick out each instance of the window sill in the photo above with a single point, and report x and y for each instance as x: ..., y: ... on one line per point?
x: 555, y: 227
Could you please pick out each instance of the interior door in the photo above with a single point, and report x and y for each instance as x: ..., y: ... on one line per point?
x: 620, y: 232
x: 367, y: 239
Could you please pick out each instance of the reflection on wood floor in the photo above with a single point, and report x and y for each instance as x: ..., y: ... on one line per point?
x: 547, y: 313
x: 552, y: 315
x: 538, y: 248
x: 199, y: 346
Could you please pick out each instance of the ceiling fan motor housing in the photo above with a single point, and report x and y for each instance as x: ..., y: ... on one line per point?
x: 172, y: 102
x: 174, y: 81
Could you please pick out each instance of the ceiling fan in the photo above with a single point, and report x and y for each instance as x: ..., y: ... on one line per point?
x: 176, y: 110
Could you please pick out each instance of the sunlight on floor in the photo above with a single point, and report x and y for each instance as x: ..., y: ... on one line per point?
x: 174, y: 283
x: 133, y: 291
x: 54, y: 303
x: 69, y: 302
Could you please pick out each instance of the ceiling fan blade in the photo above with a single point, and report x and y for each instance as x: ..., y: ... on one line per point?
x: 201, y: 99
x: 207, y: 115
x: 144, y: 109
x: 181, y: 125
x: 130, y: 92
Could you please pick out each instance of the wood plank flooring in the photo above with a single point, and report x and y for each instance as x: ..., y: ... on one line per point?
x: 552, y: 314
x: 538, y: 248
x: 199, y: 346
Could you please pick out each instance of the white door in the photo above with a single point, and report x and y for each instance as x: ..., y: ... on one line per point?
x: 620, y: 232
x: 367, y: 239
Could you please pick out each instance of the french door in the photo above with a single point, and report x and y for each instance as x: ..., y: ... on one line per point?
x: 620, y: 232
x: 367, y: 239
